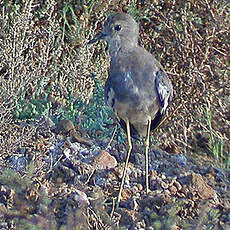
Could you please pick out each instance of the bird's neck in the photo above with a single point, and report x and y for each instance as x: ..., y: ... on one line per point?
x: 116, y: 48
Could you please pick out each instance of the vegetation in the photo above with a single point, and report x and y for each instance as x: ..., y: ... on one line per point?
x: 47, y: 71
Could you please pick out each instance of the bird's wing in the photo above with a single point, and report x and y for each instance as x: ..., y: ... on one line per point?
x: 123, y: 86
x: 117, y: 89
x: 164, y: 89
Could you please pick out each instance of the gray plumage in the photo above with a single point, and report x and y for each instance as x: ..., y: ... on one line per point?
x: 137, y: 88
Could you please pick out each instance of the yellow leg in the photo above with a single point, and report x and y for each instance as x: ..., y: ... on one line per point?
x: 126, y: 162
x: 147, y: 157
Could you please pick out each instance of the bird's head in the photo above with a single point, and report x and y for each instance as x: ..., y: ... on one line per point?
x: 119, y: 29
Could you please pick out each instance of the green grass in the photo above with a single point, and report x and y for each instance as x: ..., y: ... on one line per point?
x: 216, y: 141
x: 32, y: 108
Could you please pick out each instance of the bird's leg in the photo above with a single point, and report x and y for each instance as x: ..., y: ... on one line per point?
x: 147, y: 157
x: 126, y: 162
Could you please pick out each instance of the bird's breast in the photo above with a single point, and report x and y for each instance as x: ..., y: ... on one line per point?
x: 138, y: 116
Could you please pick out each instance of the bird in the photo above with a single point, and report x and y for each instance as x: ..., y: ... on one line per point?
x: 137, y: 88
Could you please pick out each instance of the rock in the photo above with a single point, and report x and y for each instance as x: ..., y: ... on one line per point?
x: 67, y: 127
x: 203, y: 189
x: 104, y: 161
x: 81, y: 197
x: 197, y: 184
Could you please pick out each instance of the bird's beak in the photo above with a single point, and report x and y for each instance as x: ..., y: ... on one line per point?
x: 97, y: 38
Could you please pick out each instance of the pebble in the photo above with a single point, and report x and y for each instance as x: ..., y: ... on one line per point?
x: 104, y: 160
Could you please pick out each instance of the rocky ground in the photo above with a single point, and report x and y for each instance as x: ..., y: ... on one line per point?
x: 67, y: 180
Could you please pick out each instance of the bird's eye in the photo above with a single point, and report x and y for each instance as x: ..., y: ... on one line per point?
x: 117, y: 27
